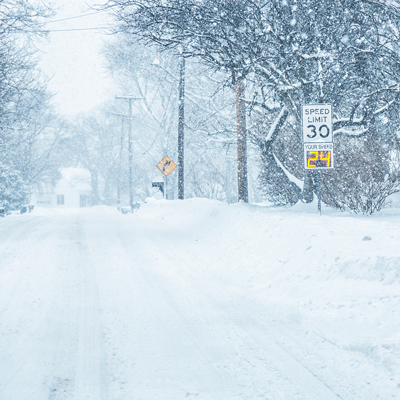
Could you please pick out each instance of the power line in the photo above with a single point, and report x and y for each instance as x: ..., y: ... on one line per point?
x: 77, y: 29
x: 74, y: 17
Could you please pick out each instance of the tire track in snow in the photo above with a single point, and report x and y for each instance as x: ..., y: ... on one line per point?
x: 301, y: 377
x: 51, y: 329
x: 91, y: 375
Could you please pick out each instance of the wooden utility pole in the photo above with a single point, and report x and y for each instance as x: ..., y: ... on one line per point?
x: 243, y: 190
x: 130, y: 99
x: 181, y: 129
x: 120, y: 165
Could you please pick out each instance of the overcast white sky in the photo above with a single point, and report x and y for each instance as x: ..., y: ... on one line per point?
x: 73, y: 59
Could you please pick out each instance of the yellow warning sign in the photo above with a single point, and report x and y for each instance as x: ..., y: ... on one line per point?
x: 166, y: 165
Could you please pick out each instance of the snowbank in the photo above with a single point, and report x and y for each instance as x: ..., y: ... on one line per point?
x: 337, y: 274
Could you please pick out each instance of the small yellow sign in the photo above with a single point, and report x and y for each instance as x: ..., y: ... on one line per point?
x: 166, y: 165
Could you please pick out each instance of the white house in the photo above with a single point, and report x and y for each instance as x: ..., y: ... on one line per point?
x: 73, y: 190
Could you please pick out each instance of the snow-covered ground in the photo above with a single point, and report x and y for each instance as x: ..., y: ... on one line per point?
x: 199, y: 299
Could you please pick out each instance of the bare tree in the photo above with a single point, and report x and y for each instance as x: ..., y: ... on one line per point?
x: 27, y: 126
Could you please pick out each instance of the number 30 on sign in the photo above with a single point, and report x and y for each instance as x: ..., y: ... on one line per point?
x: 318, y: 156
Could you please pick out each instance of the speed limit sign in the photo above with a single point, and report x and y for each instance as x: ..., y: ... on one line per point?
x: 317, y: 123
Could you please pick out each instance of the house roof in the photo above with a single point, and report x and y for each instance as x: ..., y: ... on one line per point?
x: 78, y: 177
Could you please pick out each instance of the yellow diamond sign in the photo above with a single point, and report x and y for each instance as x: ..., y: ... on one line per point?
x: 166, y: 165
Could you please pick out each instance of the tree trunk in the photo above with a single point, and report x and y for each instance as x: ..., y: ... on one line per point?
x: 243, y: 193
x: 181, y: 130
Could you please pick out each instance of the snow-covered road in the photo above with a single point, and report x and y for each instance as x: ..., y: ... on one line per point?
x: 198, y: 299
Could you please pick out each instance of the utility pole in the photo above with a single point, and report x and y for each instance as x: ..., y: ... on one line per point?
x: 121, y: 148
x: 130, y: 99
x: 120, y: 165
x: 181, y: 129
x: 243, y: 191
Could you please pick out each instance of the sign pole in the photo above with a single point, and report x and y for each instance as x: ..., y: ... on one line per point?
x: 319, y: 190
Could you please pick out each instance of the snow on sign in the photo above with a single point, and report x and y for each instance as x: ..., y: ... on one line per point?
x: 166, y: 165
x: 317, y: 123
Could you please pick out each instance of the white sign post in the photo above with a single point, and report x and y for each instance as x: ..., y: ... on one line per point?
x: 317, y: 140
